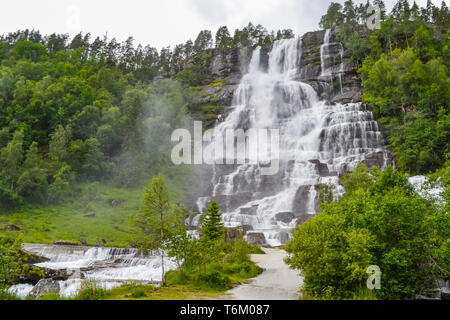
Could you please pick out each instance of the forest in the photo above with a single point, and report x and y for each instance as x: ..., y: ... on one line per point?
x: 83, y: 119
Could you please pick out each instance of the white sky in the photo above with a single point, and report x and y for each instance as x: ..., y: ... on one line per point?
x: 162, y: 22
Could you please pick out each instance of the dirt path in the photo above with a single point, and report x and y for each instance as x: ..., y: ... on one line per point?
x: 277, y: 282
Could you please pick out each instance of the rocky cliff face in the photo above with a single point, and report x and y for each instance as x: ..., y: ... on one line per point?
x: 228, y: 66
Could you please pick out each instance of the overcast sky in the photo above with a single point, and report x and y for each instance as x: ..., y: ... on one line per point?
x: 162, y: 22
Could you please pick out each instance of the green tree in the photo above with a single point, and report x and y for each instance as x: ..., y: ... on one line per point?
x: 212, y: 227
x: 155, y: 218
x: 334, y: 16
x: 32, y: 183
x: 223, y: 38
x: 11, y: 158
x: 382, y: 222
x: 180, y: 245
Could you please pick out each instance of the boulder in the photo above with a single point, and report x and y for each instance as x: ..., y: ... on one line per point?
x: 45, y: 286
x: 284, y: 217
x: 83, y: 242
x: 256, y: 238
x: 232, y: 234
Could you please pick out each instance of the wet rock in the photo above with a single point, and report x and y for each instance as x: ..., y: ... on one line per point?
x: 347, y: 97
x: 374, y: 159
x: 285, y: 217
x: 302, y: 200
x: 302, y: 218
x: 232, y: 234
x: 230, y: 203
x: 283, y: 236
x: 11, y: 227
x: 256, y: 238
x: 249, y: 210
x: 45, y: 286
x: 83, y: 242
x: 66, y: 243
x: 321, y: 168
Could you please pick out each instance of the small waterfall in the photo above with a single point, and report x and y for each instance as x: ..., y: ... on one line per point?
x: 108, y: 267
x: 324, y: 53
x: 328, y: 59
x: 318, y: 142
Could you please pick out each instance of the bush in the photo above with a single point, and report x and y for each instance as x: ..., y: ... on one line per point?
x: 213, y: 279
x: 138, y: 292
x: 5, y: 295
x: 380, y: 222
x: 90, y: 291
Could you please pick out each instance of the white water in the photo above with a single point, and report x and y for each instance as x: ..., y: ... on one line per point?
x: 422, y: 187
x: 108, y: 267
x: 326, y: 56
x: 339, y: 136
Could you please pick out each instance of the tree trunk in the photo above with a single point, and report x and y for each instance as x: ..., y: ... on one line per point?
x: 162, y: 250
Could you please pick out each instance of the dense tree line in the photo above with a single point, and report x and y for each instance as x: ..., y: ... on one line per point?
x: 77, y: 109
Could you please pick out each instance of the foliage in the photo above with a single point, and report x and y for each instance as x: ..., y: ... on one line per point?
x: 90, y: 291
x: 154, y: 218
x: 211, y: 223
x: 405, y: 73
x: 379, y: 221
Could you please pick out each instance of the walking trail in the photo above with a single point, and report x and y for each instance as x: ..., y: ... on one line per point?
x: 277, y: 282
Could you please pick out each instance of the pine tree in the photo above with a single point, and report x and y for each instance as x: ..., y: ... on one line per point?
x: 349, y: 12
x: 212, y: 226
x: 223, y: 38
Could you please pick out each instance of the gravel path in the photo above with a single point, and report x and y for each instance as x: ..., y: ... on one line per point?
x: 277, y: 282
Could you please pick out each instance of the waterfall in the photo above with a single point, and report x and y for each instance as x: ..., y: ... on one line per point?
x: 108, y: 267
x: 318, y: 142
x: 328, y: 59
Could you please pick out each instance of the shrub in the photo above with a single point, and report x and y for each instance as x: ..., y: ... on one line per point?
x: 90, y: 291
x: 138, y: 292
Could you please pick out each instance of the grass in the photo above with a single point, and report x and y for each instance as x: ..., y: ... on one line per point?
x: 97, y: 211
x: 147, y: 292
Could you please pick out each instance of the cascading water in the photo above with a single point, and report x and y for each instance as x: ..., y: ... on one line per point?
x: 318, y: 142
x: 108, y: 267
x: 328, y: 57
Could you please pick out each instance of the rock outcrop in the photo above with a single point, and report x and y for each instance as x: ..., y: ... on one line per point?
x: 45, y: 286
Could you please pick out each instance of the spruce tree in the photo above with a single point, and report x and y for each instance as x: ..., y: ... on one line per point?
x: 212, y: 226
